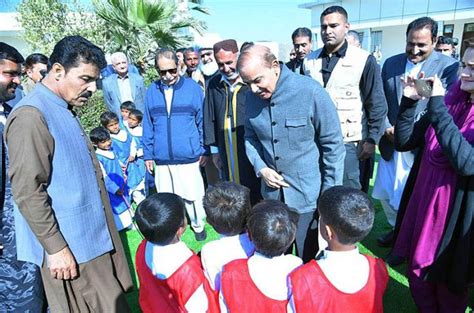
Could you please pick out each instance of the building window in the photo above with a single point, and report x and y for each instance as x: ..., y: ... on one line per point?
x: 468, y: 28
x: 375, y: 41
x: 361, y: 37
x: 448, y: 30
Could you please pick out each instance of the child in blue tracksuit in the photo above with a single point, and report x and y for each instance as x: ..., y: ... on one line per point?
x: 125, y: 109
x: 136, y: 178
x: 114, y: 178
x: 121, y: 140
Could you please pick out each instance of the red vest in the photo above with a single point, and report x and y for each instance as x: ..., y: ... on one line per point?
x: 313, y: 292
x: 171, y: 294
x: 242, y: 295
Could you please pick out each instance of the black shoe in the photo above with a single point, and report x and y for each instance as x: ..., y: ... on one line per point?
x: 201, y: 236
x: 386, y: 240
x: 394, y: 260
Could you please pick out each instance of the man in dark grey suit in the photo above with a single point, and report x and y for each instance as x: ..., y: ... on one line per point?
x: 292, y: 139
x: 418, y: 58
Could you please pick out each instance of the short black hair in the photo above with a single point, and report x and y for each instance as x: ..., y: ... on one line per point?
x: 348, y: 211
x: 137, y: 113
x: 272, y: 227
x: 246, y: 44
x: 302, y: 32
x: 160, y: 216
x: 191, y: 50
x: 444, y: 40
x: 227, y: 205
x: 35, y: 58
x: 424, y: 22
x: 335, y: 9
x: 9, y: 53
x: 180, y: 50
x: 99, y: 134
x: 107, y: 117
x: 72, y: 50
x: 127, y: 105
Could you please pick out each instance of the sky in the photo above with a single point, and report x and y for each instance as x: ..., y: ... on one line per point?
x: 255, y: 20
x: 243, y: 20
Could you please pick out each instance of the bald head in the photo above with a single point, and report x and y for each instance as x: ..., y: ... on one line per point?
x: 258, y: 53
x: 260, y: 69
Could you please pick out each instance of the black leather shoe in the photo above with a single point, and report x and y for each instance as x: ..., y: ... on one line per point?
x: 394, y: 260
x: 386, y: 240
x: 201, y: 236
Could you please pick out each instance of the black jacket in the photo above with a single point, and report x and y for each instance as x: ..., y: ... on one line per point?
x: 454, y: 262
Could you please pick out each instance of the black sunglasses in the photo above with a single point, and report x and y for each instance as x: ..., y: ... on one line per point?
x: 172, y: 71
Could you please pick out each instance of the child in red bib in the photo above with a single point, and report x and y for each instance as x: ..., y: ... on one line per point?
x: 342, y: 279
x: 259, y: 284
x: 227, y: 205
x: 170, y: 274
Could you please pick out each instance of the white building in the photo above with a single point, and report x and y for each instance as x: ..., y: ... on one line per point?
x: 383, y: 23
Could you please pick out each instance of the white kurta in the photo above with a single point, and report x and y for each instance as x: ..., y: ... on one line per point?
x: 392, y: 175
x: 391, y: 178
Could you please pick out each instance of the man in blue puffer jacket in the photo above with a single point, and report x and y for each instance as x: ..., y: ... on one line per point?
x: 173, y: 144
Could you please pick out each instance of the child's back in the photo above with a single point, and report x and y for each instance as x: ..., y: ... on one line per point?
x: 348, y: 282
x: 259, y: 284
x: 342, y: 279
x: 226, y: 205
x: 170, y: 274
x: 217, y: 253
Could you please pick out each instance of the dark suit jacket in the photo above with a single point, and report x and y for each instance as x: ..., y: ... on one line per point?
x: 393, y: 69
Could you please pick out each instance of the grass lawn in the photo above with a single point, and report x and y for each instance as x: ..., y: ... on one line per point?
x: 397, y: 297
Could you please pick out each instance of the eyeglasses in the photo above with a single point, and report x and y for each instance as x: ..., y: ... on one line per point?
x: 172, y: 71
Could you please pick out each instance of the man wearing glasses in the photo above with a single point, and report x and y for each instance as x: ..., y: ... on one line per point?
x: 173, y: 143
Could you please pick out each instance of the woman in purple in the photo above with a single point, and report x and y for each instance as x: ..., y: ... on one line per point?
x: 437, y: 231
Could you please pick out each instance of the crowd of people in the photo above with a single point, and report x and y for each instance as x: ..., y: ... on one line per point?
x: 276, y: 157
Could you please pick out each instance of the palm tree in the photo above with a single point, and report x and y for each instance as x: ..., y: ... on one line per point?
x: 139, y: 27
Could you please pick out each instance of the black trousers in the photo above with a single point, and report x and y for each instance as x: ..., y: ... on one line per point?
x: 306, y: 240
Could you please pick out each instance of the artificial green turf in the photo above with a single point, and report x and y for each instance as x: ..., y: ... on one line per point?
x: 397, y: 297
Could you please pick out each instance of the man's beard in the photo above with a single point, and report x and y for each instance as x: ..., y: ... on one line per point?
x: 209, y: 69
x: 5, y: 95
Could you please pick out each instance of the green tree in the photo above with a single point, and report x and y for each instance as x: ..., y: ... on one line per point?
x: 45, y: 22
x: 139, y: 27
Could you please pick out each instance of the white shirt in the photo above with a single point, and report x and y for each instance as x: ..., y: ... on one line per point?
x: 3, y: 119
x: 168, y: 97
x: 136, y: 132
x: 270, y: 275
x: 413, y: 69
x: 217, y: 253
x: 348, y: 271
x: 163, y: 261
x: 124, y: 88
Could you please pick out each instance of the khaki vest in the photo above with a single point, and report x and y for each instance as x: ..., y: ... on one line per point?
x: 343, y: 87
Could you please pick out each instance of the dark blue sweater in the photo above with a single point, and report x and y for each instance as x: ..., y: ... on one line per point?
x: 176, y: 138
